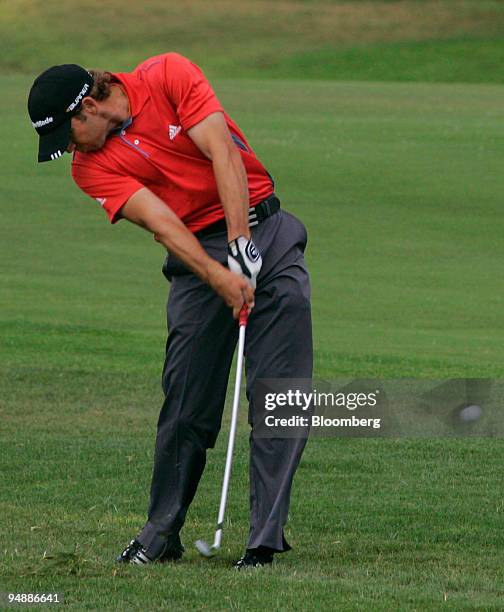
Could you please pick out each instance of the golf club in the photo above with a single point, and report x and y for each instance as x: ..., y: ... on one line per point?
x: 204, y: 548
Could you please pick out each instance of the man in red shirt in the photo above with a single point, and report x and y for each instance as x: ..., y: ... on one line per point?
x: 155, y: 147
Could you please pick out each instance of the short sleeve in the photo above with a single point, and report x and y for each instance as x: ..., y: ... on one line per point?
x: 189, y: 91
x: 110, y: 189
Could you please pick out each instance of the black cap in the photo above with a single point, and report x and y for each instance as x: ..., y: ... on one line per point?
x: 54, y: 97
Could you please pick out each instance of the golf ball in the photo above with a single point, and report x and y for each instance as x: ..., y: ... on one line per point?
x: 471, y: 413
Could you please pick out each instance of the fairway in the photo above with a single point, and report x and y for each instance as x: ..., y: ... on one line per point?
x: 400, y: 186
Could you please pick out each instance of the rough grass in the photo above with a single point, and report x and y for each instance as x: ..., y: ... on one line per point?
x: 432, y: 40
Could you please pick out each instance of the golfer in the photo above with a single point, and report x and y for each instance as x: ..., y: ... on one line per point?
x: 155, y: 147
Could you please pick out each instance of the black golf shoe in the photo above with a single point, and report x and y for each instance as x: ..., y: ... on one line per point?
x: 255, y: 557
x: 172, y: 554
x: 136, y: 554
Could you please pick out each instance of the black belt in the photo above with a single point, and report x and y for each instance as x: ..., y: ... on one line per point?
x: 257, y: 214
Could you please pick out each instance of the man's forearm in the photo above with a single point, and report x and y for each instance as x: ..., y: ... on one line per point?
x: 147, y: 210
x: 144, y: 208
x: 177, y: 239
x: 213, y: 139
x: 232, y: 184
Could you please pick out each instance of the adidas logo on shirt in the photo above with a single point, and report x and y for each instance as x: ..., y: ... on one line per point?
x: 174, y: 130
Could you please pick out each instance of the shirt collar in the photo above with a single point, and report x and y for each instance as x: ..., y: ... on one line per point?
x: 124, y: 126
x: 136, y: 90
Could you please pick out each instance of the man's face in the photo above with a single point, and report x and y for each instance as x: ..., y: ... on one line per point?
x: 89, y: 133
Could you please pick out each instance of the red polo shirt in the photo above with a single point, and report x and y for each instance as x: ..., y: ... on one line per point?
x: 168, y: 95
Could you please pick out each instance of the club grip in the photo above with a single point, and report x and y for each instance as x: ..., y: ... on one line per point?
x: 243, y: 318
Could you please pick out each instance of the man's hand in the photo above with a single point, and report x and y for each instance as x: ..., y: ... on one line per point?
x: 235, y: 290
x: 244, y: 259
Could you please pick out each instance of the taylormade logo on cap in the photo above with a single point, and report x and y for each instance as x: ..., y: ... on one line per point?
x: 78, y: 98
x: 43, y: 122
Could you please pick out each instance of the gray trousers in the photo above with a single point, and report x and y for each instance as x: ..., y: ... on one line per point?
x: 199, y: 353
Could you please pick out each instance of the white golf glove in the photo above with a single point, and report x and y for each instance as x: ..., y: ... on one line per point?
x: 244, y: 259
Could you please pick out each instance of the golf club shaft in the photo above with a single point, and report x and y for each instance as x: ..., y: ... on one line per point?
x: 232, y: 431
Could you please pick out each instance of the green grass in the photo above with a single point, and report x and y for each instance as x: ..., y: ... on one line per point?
x: 406, y: 40
x: 400, y: 186
x: 455, y: 60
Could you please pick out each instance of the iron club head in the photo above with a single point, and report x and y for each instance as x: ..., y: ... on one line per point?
x: 205, y: 549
